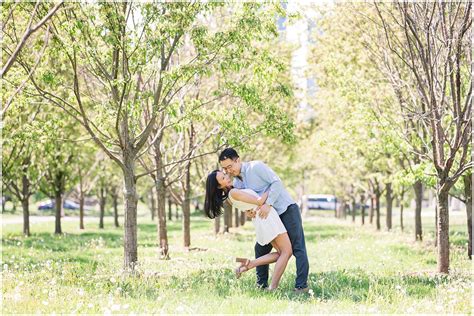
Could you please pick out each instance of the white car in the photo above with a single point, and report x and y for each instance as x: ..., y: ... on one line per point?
x: 319, y: 202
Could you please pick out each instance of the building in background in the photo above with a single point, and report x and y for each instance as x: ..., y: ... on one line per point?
x: 298, y: 35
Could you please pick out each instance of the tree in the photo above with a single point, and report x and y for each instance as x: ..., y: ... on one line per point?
x: 437, y: 54
x: 58, y: 157
x: 20, y: 172
x: 87, y: 163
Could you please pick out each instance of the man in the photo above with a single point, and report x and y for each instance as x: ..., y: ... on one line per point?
x: 259, y: 177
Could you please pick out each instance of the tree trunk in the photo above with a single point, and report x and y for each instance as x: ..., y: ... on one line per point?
x: 130, y: 215
x: 418, y: 187
x: 467, y: 178
x: 25, y: 205
x: 26, y: 216
x: 217, y: 225
x: 237, y: 217
x: 353, y: 209
x: 227, y: 212
x: 81, y: 210
x: 161, y: 214
x: 436, y: 225
x: 377, y: 208
x: 152, y: 204
x: 443, y: 230
x: 187, y: 192
x: 170, y: 204
x: 371, y: 211
x: 102, y: 207
x: 362, y: 205
x: 229, y: 217
x: 58, y: 205
x: 389, y: 199
x: 159, y: 179
x: 401, y: 209
x: 176, y: 213
x: 341, y: 213
x: 187, y: 207
x: 242, y: 218
x: 115, y: 204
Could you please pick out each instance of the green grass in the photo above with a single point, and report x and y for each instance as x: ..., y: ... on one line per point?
x: 353, y: 269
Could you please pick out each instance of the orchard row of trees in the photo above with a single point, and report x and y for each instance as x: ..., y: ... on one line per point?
x: 394, y: 103
x: 141, y: 95
x: 145, y: 95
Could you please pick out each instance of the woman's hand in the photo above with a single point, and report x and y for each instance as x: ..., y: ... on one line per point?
x: 261, y: 200
x: 263, y: 211
x: 250, y: 213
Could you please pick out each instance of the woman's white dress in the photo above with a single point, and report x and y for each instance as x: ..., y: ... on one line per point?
x: 265, y: 229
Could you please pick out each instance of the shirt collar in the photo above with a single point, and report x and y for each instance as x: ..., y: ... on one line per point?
x: 243, y: 170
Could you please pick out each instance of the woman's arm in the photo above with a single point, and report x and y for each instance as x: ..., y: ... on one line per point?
x: 243, y: 196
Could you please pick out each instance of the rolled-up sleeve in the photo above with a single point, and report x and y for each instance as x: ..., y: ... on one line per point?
x: 270, y: 177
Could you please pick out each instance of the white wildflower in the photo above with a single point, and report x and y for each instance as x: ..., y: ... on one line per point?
x: 115, y: 307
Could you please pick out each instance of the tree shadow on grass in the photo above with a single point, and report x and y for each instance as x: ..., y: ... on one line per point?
x: 65, y: 242
x: 358, y: 285
x: 317, y: 233
x: 196, y: 224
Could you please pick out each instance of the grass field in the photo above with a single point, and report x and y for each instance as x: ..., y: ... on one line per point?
x: 353, y: 269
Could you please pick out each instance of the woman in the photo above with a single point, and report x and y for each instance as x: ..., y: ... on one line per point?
x: 269, y: 230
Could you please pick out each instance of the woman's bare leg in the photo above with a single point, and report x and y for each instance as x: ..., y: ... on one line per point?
x: 283, y: 244
x: 263, y: 260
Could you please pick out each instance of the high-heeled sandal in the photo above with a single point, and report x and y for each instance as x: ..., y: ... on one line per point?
x: 244, y: 264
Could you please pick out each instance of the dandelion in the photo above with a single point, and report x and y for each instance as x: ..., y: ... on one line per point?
x: 17, y: 297
x: 45, y: 303
x: 80, y: 292
x: 90, y: 305
x: 112, y: 279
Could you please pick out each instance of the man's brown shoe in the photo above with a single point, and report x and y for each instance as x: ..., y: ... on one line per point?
x: 301, y: 290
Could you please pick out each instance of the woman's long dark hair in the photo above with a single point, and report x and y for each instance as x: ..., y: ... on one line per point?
x: 215, y: 196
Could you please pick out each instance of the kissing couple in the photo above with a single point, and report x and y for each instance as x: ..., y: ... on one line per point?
x: 254, y: 188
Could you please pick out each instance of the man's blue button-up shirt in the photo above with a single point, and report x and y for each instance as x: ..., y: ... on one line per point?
x: 257, y: 176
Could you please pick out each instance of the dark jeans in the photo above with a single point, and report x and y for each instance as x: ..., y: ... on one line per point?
x: 291, y: 218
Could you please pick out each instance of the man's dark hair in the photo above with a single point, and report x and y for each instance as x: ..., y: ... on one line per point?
x: 228, y: 153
